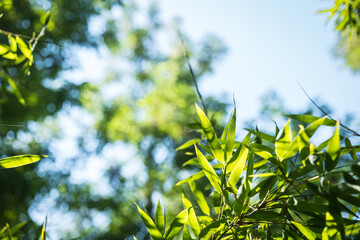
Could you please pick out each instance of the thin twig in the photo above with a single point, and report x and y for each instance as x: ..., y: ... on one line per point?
x: 325, y: 113
x: 186, y: 54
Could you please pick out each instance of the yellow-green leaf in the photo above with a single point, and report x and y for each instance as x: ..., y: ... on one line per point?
x: 150, y: 225
x: 176, y: 225
x: 24, y: 49
x: 230, y: 137
x: 20, y: 160
x: 304, y: 230
x: 160, y: 218
x: 188, y: 144
x: 210, y: 134
x: 282, y: 142
x: 333, y: 147
x: 208, y: 170
x: 241, y: 160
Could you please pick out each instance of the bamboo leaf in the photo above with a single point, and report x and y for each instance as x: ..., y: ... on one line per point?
x: 150, y: 225
x: 311, y: 119
x: 194, y: 177
x: 208, y: 170
x: 188, y: 144
x: 160, y: 218
x: 241, y: 160
x: 282, y: 142
x: 230, y: 137
x: 210, y: 134
x: 199, y: 196
x: 176, y: 225
x: 333, y: 149
x: 304, y: 230
x: 20, y: 160
x: 192, y: 220
x: 43, y: 230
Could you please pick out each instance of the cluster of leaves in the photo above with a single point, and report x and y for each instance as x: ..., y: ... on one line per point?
x: 16, y: 58
x: 274, y: 187
x: 7, y: 233
x: 347, y: 15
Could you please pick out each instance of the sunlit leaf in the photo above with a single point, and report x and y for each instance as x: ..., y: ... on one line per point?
x: 199, y: 196
x: 230, y: 137
x: 24, y: 49
x: 263, y: 175
x: 208, y: 170
x: 311, y: 119
x: 210, y: 134
x: 304, y: 230
x: 333, y: 149
x: 261, y: 150
x: 241, y: 160
x: 176, y: 225
x: 192, y: 220
x: 20, y: 160
x: 282, y: 142
x: 150, y: 225
x: 13, y: 46
x: 262, y: 135
x: 188, y: 144
x: 194, y: 177
x: 160, y: 218
x: 211, y: 228
x: 43, y: 230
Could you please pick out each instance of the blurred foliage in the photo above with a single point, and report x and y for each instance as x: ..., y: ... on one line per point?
x: 148, y: 115
x: 347, y: 21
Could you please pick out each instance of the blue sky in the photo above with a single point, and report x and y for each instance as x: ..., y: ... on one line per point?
x: 271, y: 45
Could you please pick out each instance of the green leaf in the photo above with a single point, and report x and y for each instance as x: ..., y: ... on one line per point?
x: 20, y: 160
x: 211, y: 228
x: 311, y: 119
x: 24, y: 49
x: 311, y: 129
x: 261, y: 150
x: 304, y: 230
x: 194, y: 177
x: 210, y: 134
x: 188, y: 144
x: 282, y: 142
x: 333, y: 149
x: 192, y: 220
x: 263, y: 175
x: 4, y: 49
x: 43, y: 230
x: 13, y: 86
x: 13, y: 46
x: 230, y: 137
x: 176, y: 225
x: 240, y: 160
x: 262, y: 135
x: 199, y: 196
x: 150, y: 225
x: 208, y: 170
x: 160, y: 218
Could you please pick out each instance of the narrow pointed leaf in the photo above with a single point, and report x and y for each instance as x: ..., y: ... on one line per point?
x: 230, y: 138
x: 150, y: 225
x: 211, y: 137
x: 176, y: 225
x: 311, y: 119
x: 199, y: 196
x: 236, y: 172
x: 192, y: 220
x: 20, y: 160
x: 194, y: 177
x: 43, y: 230
x: 160, y: 218
x: 188, y: 144
x: 208, y: 170
x: 262, y: 135
x: 304, y: 230
x: 282, y: 142
x: 311, y: 129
